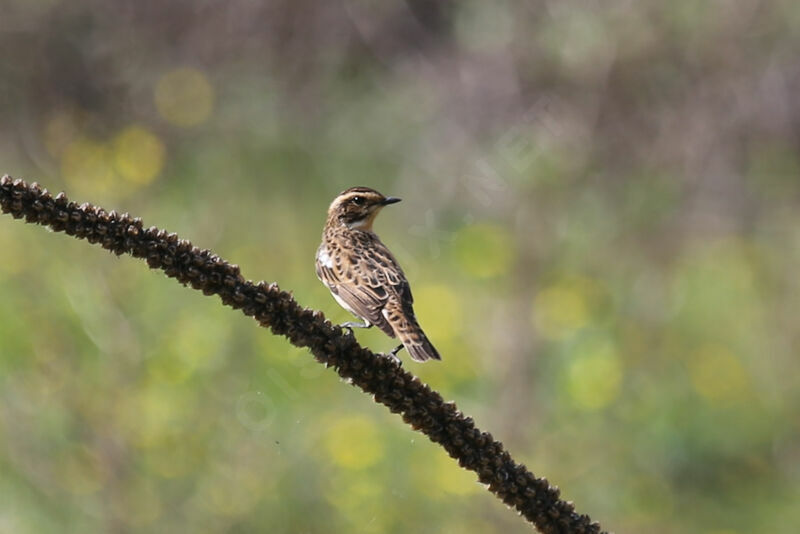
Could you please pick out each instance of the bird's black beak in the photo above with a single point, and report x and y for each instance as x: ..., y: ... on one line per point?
x: 390, y: 200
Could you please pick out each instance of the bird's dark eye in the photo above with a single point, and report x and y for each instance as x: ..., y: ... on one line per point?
x: 358, y: 201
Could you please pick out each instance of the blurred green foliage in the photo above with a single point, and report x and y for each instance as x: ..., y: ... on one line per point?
x: 600, y: 225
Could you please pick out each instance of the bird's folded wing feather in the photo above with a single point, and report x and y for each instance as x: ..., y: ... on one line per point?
x: 367, y: 283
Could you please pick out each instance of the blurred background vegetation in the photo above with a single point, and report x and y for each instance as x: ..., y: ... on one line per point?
x: 600, y: 224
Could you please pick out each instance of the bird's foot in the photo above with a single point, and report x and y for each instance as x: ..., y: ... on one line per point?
x: 393, y: 355
x: 352, y: 324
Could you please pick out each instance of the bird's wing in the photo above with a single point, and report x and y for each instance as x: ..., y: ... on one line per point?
x: 364, y: 280
x: 398, y: 309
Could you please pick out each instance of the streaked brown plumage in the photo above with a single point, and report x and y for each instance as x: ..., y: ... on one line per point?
x: 363, y: 276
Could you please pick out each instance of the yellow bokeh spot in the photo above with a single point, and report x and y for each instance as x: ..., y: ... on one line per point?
x: 595, y: 376
x: 439, y: 308
x: 138, y: 155
x: 445, y: 376
x: 561, y: 309
x: 198, y: 342
x: 354, y: 442
x: 717, y: 374
x: 452, y: 479
x: 168, y: 368
x: 148, y: 416
x: 88, y: 165
x: 184, y: 97
x: 190, y: 344
x: 484, y: 250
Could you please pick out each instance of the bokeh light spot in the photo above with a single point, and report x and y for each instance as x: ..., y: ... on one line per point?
x: 715, y: 293
x: 87, y: 165
x: 452, y: 479
x: 138, y: 155
x: 484, y: 250
x: 561, y: 309
x: 184, y: 97
x: 147, y: 416
x: 439, y: 308
x: 168, y: 368
x: 595, y: 376
x: 189, y: 345
x: 198, y: 341
x: 448, y: 377
x: 353, y: 442
x: 717, y: 374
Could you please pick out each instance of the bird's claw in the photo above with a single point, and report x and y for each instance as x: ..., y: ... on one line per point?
x: 392, y: 356
x: 352, y: 324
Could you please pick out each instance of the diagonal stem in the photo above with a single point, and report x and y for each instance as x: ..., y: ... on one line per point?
x: 420, y: 406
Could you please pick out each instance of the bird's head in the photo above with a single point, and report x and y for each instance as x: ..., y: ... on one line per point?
x: 357, y: 207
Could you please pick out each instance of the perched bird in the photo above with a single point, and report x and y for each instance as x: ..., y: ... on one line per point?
x: 364, y: 276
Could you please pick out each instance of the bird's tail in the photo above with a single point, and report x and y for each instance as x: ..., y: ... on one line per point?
x: 418, y: 345
x: 401, y: 320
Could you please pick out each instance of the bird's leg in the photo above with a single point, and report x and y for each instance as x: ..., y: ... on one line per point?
x: 393, y: 355
x: 352, y: 324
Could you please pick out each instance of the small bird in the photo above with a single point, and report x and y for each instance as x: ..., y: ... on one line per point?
x: 364, y: 277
